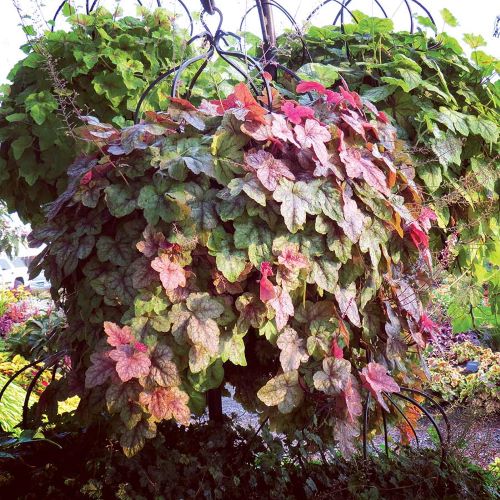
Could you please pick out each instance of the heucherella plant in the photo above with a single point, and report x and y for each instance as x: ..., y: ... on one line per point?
x: 288, y: 240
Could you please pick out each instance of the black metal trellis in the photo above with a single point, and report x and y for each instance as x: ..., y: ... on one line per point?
x: 214, y: 40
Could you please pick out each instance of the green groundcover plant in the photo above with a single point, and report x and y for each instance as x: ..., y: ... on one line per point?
x: 294, y: 235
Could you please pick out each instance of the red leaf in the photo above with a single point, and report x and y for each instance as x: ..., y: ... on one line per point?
x: 336, y: 350
x: 296, y: 113
x: 428, y: 327
x: 172, y: 275
x: 152, y: 242
x: 118, y: 336
x: 375, y: 379
x: 269, y: 170
x: 130, y: 363
x: 304, y: 87
x: 183, y: 103
x: 419, y: 238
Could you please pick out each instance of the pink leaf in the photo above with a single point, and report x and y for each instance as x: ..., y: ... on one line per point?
x: 357, y: 166
x: 292, y: 259
x: 281, y: 129
x: 354, y: 121
x: 296, y: 113
x: 172, y: 275
x: 164, y: 404
x: 333, y: 97
x: 130, y: 363
x: 257, y: 130
x: 426, y: 216
x: 118, y: 336
x: 354, y: 219
x: 375, y: 379
x: 269, y: 170
x: 314, y: 135
x: 351, y: 97
x: 353, y: 398
x: 283, y: 306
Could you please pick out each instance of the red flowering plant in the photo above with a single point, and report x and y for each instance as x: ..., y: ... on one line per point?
x: 281, y: 251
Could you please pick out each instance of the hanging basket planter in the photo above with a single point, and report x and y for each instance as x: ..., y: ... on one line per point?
x: 201, y: 231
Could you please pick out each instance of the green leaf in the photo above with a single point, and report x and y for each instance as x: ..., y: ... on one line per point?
x: 257, y: 238
x: 324, y: 273
x: 447, y: 147
x: 119, y: 252
x: 487, y: 129
x: 133, y: 440
x: 155, y: 206
x: 474, y: 41
x: 297, y: 199
x: 376, y: 94
x: 430, y: 173
x: 40, y: 105
x: 454, y: 120
x: 20, y: 145
x: 120, y: 199
x: 449, y: 18
x: 231, y: 263
x: 233, y: 349
x: 317, y: 72
x: 251, y: 186
x: 227, y: 150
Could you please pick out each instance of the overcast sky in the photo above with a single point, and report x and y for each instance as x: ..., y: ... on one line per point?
x: 476, y: 17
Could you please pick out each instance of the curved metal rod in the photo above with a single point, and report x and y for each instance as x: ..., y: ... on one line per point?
x: 429, y: 416
x: 224, y: 54
x: 178, y: 71
x: 63, y: 3
x: 386, y: 438
x: 195, y: 78
x: 273, y: 3
x: 410, y: 13
x: 424, y: 8
x: 16, y: 374
x: 365, y: 425
x: 401, y: 412
x: 438, y: 407
x: 342, y: 7
x: 30, y: 388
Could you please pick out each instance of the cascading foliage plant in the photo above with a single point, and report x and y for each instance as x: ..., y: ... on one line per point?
x: 293, y: 240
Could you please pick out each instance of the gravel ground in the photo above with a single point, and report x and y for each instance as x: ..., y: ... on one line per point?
x: 475, y: 436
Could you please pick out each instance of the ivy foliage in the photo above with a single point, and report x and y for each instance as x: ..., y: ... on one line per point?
x: 219, y: 462
x: 102, y: 65
x: 205, y: 230
x: 445, y: 104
